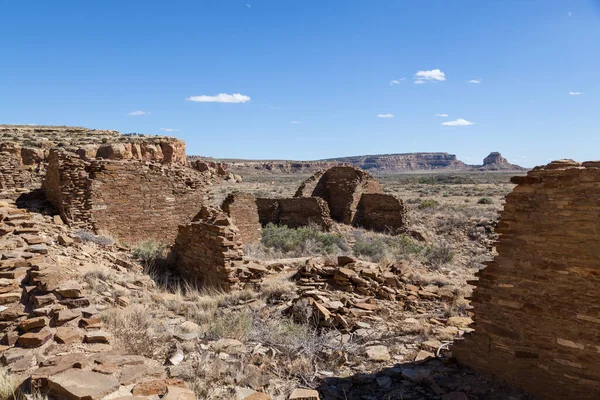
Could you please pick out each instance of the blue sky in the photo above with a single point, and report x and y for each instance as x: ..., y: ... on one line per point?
x: 327, y: 65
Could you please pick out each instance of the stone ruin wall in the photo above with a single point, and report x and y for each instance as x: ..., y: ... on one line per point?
x: 13, y: 175
x: 381, y: 212
x: 537, y: 304
x: 294, y: 212
x: 241, y: 208
x: 131, y: 200
x: 342, y: 188
x: 208, y: 250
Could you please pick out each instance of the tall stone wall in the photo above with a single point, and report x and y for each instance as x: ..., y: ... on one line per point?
x: 380, y: 212
x: 132, y: 200
x: 537, y: 304
x: 342, y: 188
x: 295, y: 212
x: 12, y: 174
x: 208, y: 250
x: 241, y: 208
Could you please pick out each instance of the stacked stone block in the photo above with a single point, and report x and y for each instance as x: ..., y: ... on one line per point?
x: 208, y: 250
x: 241, y: 208
x: 537, y: 304
x: 381, y: 212
x: 295, y: 212
x: 12, y: 174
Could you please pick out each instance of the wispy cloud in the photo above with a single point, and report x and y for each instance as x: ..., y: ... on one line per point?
x: 138, y: 113
x: 441, y: 115
x: 575, y: 93
x: 220, y: 98
x: 475, y: 81
x: 458, y: 122
x: 169, y: 130
x: 570, y: 14
x: 295, y: 122
x: 385, y: 115
x: 397, y: 81
x: 248, y: 5
x: 435, y: 75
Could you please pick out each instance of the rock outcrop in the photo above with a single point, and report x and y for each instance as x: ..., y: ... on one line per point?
x: 495, y: 162
x: 537, y: 321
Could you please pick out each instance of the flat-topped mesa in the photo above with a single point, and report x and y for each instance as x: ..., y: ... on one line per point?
x: 537, y: 319
x: 32, y: 144
x: 495, y: 162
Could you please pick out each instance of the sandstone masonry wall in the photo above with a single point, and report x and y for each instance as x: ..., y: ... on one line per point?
x: 342, y: 188
x: 12, y: 174
x: 241, y: 208
x: 132, y: 200
x: 380, y: 212
x: 295, y: 212
x: 208, y: 250
x: 537, y: 304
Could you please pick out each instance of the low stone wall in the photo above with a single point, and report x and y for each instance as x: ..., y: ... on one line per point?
x: 241, y: 208
x: 381, y: 212
x: 537, y: 305
x: 208, y: 250
x: 295, y: 212
x: 131, y: 200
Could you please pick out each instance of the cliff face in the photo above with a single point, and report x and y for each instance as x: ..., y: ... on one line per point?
x: 375, y: 163
x: 31, y: 144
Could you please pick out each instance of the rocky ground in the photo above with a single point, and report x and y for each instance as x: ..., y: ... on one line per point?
x: 84, y: 317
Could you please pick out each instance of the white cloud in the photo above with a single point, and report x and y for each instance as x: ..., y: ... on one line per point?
x: 475, y: 81
x: 385, y: 115
x: 458, y: 122
x: 169, y: 130
x: 441, y: 115
x: 138, y: 113
x: 435, y: 75
x: 570, y: 14
x: 575, y: 93
x: 220, y: 98
x: 295, y: 122
x: 397, y: 81
x: 247, y: 5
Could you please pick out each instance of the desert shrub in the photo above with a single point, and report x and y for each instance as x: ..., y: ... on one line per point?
x: 150, y: 253
x: 137, y: 331
x: 377, y: 247
x: 307, y: 240
x: 485, y: 200
x: 428, y: 203
x: 234, y: 325
x: 439, y: 254
x: 86, y: 236
x: 8, y: 385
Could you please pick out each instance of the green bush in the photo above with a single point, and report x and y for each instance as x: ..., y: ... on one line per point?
x: 428, y: 203
x: 150, y: 253
x: 439, y: 254
x: 485, y: 200
x: 379, y: 247
x: 307, y: 240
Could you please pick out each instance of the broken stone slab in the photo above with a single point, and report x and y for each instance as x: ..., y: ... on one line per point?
x: 230, y: 346
x: 76, y: 384
x: 7, y: 298
x: 65, y: 240
x: 34, y: 339
x: 179, y: 393
x: 424, y: 355
x: 97, y: 337
x: 13, y: 355
x: 33, y: 323
x: 67, y: 335
x: 134, y: 373
x: 155, y: 387
x: 70, y: 290
x: 258, y: 396
x: 63, y: 316
x: 304, y: 394
x: 37, y: 249
x: 378, y: 353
